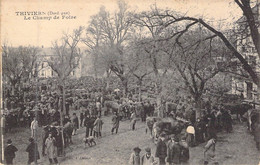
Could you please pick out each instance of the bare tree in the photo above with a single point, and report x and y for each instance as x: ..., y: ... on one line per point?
x: 197, y: 61
x: 172, y: 19
x: 67, y: 57
x: 19, y: 64
x: 152, y: 30
x: 113, y: 31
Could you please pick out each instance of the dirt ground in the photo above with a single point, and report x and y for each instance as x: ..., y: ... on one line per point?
x: 237, y: 147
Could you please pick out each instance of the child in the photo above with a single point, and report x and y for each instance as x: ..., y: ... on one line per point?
x: 148, y: 158
x: 135, y: 157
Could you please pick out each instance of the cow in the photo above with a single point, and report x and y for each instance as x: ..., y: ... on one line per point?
x: 238, y: 109
x: 67, y: 132
x: 166, y: 125
x: 111, y: 105
x: 149, y: 124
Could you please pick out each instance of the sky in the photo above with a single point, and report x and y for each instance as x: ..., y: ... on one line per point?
x: 17, y: 30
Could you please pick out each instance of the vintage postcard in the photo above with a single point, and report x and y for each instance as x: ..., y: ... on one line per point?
x: 140, y: 82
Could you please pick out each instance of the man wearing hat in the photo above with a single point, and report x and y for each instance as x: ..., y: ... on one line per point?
x: 33, y: 153
x: 173, y: 151
x: 115, y: 120
x: 10, y: 152
x: 135, y: 158
x: 147, y: 159
x: 161, y: 149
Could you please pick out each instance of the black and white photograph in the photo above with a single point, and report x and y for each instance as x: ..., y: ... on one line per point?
x: 130, y: 82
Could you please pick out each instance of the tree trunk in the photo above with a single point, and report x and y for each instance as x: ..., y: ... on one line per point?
x: 258, y: 96
x: 61, y: 116
x: 140, y: 86
x: 198, y: 106
x: 13, y: 88
x: 125, y: 85
x: 108, y: 80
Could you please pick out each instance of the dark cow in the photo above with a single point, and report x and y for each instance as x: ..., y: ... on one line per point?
x: 238, y: 109
x: 169, y: 126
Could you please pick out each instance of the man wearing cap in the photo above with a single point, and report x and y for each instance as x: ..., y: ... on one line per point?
x: 10, y: 152
x: 161, y: 149
x: 173, y: 151
x: 148, y: 158
x: 33, y: 153
x: 185, y: 152
x: 135, y: 158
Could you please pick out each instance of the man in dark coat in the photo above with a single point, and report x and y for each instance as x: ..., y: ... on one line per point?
x: 227, y: 121
x: 10, y: 152
x: 200, y: 128
x: 92, y: 121
x: 87, y: 124
x: 161, y: 149
x: 33, y: 153
x: 81, y: 118
x: 173, y: 151
x: 75, y: 123
x: 115, y: 120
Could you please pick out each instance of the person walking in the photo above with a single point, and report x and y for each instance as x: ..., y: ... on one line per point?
x: 173, y: 151
x: 33, y: 153
x: 135, y: 158
x: 87, y: 124
x: 34, y: 127
x: 115, y: 120
x: 209, y: 152
x: 147, y: 158
x: 185, y: 152
x: 161, y: 149
x: 75, y: 123
x: 91, y: 122
x: 98, y: 127
x: 133, y: 121
x: 98, y: 106
x: 9, y: 152
x: 81, y: 118
x: 51, y: 149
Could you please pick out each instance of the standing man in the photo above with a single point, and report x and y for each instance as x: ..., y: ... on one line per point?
x: 33, y: 153
x: 133, y: 120
x: 98, y: 127
x: 10, y: 152
x: 81, y: 118
x: 185, y: 152
x: 75, y: 123
x: 98, y: 106
x: 51, y: 149
x: 173, y: 151
x: 161, y: 149
x: 34, y: 127
x: 87, y: 124
x: 115, y: 120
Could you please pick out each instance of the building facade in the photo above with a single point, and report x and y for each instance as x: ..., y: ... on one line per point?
x: 45, y: 71
x: 243, y: 85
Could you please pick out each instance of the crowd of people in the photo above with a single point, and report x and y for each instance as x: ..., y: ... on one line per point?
x: 90, y: 102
